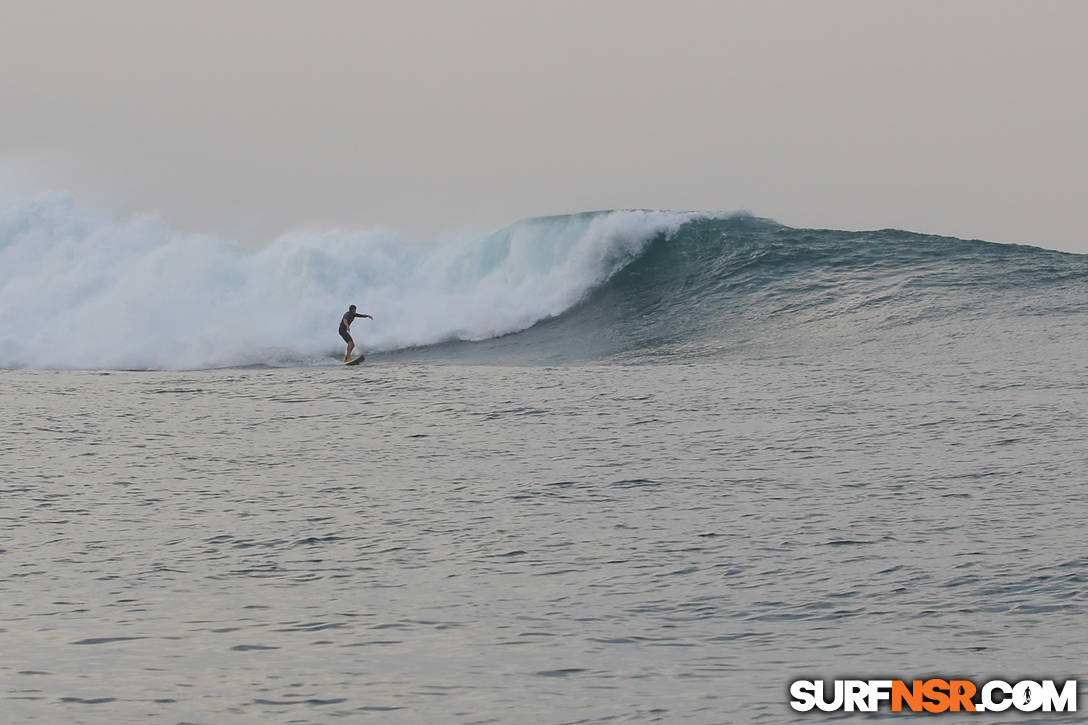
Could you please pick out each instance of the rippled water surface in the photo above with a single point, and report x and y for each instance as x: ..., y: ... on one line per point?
x: 412, y: 543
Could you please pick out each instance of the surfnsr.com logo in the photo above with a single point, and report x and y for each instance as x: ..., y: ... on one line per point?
x: 933, y: 695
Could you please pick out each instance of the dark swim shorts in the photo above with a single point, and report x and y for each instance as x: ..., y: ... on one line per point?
x: 344, y: 334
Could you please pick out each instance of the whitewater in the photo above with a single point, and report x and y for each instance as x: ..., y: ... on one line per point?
x: 86, y: 290
x: 618, y: 466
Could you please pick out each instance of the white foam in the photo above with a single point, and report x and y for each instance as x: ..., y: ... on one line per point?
x: 87, y: 290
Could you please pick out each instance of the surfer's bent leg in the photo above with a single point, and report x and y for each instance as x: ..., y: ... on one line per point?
x: 351, y: 343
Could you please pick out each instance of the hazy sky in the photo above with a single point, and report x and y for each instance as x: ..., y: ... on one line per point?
x: 248, y: 118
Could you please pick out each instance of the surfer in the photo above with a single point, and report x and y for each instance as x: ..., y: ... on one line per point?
x: 345, y: 325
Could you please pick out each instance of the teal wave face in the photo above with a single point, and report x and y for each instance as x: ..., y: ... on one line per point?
x: 719, y: 285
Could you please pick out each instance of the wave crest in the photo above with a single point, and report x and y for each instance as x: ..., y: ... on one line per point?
x: 85, y: 290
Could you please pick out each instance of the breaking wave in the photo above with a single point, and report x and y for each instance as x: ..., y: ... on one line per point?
x: 86, y: 290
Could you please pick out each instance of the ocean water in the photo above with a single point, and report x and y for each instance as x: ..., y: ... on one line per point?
x: 617, y: 467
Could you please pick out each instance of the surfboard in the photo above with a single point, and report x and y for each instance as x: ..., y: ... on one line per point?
x: 356, y: 361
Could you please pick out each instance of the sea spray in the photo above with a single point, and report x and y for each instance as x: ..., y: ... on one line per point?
x: 83, y: 289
